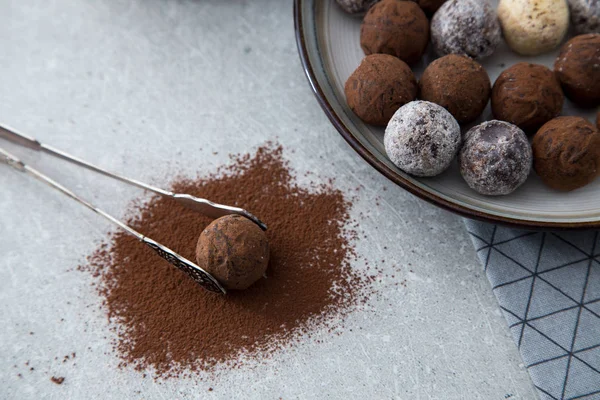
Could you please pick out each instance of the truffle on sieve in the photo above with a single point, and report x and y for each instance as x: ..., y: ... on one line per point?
x: 234, y: 250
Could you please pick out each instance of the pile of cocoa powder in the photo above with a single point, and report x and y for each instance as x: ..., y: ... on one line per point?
x: 167, y: 324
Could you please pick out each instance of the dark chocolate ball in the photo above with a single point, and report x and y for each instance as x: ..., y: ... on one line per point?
x: 566, y: 153
x: 495, y: 158
x: 357, y: 7
x: 378, y: 87
x: 578, y: 69
x: 395, y: 27
x: 527, y: 95
x: 457, y: 83
x: 234, y: 250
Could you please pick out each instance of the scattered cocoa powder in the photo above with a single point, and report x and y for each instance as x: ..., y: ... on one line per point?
x: 169, y: 325
x: 58, y: 380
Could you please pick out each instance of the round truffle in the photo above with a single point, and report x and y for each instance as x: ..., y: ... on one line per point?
x: 380, y: 85
x: 533, y: 27
x: 578, y: 69
x: 566, y: 153
x: 395, y: 27
x: 457, y: 83
x: 234, y: 250
x: 527, y: 95
x: 357, y: 7
x: 598, y: 120
x: 429, y: 6
x: 495, y: 158
x: 585, y: 15
x: 468, y: 27
x: 422, y: 138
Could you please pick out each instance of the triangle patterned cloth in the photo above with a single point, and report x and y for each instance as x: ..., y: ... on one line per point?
x: 548, y: 287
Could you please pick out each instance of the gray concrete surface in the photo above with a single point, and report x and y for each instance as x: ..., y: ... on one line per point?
x: 157, y: 87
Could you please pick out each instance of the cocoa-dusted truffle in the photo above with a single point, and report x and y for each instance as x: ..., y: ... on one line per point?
x: 495, y: 158
x: 566, y: 153
x: 585, y: 15
x: 468, y: 27
x: 533, y: 27
x: 234, y: 250
x: 422, y: 138
x: 378, y: 87
x: 527, y: 95
x: 429, y: 6
x: 395, y: 27
x: 357, y: 7
x: 578, y: 69
x: 457, y: 83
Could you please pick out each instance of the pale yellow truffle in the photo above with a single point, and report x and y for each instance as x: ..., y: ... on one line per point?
x: 532, y: 27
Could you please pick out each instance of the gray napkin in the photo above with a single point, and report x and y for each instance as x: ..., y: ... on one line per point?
x: 548, y: 286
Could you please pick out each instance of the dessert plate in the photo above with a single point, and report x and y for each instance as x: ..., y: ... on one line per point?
x: 329, y: 45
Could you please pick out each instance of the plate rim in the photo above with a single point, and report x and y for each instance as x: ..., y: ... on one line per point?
x: 398, y: 179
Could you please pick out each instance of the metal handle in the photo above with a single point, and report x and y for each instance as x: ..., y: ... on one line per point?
x: 24, y: 140
x: 203, y: 206
x: 195, y: 272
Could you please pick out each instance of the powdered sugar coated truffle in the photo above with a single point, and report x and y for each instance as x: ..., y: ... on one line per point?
x: 496, y: 158
x: 356, y: 6
x: 422, y: 138
x: 585, y: 15
x: 468, y: 27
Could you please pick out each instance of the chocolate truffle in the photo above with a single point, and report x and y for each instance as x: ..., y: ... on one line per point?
x: 598, y: 120
x: 533, y: 27
x: 380, y: 85
x: 458, y: 84
x: 422, y: 138
x: 527, y: 95
x: 468, y: 27
x: 578, y: 69
x: 495, y: 158
x: 357, y: 7
x: 566, y: 153
x: 234, y: 250
x: 585, y: 15
x: 395, y: 27
x: 429, y: 6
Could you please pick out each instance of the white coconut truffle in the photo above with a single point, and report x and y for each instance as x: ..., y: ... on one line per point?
x: 496, y: 158
x: 468, y: 27
x: 533, y: 27
x: 422, y: 138
x: 585, y: 15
